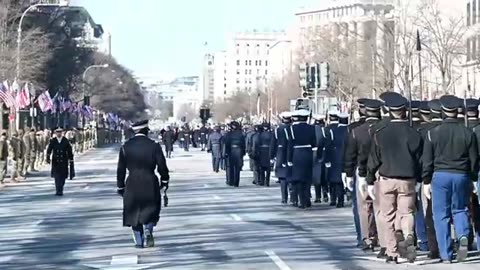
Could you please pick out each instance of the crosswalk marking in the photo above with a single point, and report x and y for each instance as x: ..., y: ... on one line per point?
x: 277, y: 260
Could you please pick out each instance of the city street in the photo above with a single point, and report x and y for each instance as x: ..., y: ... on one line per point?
x: 206, y: 226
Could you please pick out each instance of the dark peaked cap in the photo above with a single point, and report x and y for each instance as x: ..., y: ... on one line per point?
x: 388, y: 94
x: 140, y: 125
x: 424, y: 108
x: 435, y: 105
x: 372, y: 104
x: 450, y: 103
x: 415, y: 104
x: 395, y: 102
x: 361, y: 102
x: 472, y: 104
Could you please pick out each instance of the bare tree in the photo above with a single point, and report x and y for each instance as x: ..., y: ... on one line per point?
x: 34, y: 49
x: 187, y: 111
x: 285, y: 89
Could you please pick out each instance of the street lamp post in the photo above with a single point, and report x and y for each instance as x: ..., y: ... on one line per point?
x: 19, y: 33
x: 84, y: 85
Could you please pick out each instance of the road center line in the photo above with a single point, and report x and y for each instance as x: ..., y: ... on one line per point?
x: 236, y: 217
x: 216, y: 197
x: 124, y: 260
x: 277, y: 261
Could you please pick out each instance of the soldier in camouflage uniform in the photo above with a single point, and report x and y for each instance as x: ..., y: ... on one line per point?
x: 47, y: 135
x: 39, y: 151
x: 16, y: 155
x: 33, y: 150
x: 3, y: 155
x: 21, y: 149
x: 28, y: 146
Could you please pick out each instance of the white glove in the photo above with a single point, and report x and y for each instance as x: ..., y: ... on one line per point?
x: 344, y: 179
x: 349, y: 183
x: 427, y: 191
x: 362, y: 186
x: 418, y: 186
x: 284, y: 165
x: 290, y: 164
x: 328, y: 165
x: 371, y: 191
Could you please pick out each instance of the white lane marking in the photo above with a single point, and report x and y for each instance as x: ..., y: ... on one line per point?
x: 277, y: 261
x: 36, y: 223
x: 216, y: 197
x: 205, y: 185
x: 236, y: 217
x: 66, y: 201
x: 124, y: 260
x: 86, y: 187
x: 4, y: 259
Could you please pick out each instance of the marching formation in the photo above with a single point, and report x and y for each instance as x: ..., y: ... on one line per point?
x: 410, y: 170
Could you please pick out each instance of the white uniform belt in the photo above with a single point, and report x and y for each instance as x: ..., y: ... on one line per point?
x: 280, y: 146
x: 303, y: 146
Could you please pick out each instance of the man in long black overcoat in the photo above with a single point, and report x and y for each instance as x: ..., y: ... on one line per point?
x: 60, y: 155
x: 141, y: 156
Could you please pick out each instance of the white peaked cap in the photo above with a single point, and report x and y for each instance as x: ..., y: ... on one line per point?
x: 343, y: 115
x: 286, y: 114
x: 301, y: 113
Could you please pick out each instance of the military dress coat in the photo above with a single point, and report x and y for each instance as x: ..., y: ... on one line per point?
x: 299, y: 152
x: 141, y: 156
x: 323, y: 141
x: 279, y: 148
x: 336, y: 152
x: 61, y: 155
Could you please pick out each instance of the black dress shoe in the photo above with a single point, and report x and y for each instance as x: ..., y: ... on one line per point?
x: 332, y: 204
x: 369, y: 247
x: 301, y: 206
x: 391, y: 260
x: 382, y: 254
x: 295, y: 204
x: 340, y: 205
x: 317, y: 201
x: 433, y: 255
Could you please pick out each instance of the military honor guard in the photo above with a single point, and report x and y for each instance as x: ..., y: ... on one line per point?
x: 450, y: 163
x: 262, y: 148
x: 141, y: 188
x: 395, y: 156
x: 300, y: 158
x: 60, y: 155
x: 234, y: 153
x: 214, y: 147
x: 280, y: 143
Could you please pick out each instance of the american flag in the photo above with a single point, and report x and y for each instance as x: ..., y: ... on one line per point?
x: 23, y: 97
x: 65, y: 104
x: 45, y: 101
x: 6, y: 97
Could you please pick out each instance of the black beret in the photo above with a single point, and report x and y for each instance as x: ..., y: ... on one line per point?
x: 372, y: 104
x: 389, y: 94
x: 395, y: 102
x: 450, y: 103
x: 424, y: 108
x: 435, y: 105
x: 472, y: 104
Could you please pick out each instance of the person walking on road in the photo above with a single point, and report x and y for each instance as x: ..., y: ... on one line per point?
x: 60, y: 155
x: 168, y: 138
x: 235, y: 151
x: 214, y: 147
x: 140, y: 190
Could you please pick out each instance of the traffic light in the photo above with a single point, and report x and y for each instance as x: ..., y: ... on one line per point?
x: 86, y: 100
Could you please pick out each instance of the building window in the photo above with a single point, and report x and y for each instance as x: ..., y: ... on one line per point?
x: 302, y: 18
x: 258, y: 71
x: 468, y: 14
x: 238, y: 81
x: 250, y: 81
x: 258, y: 45
x: 246, y: 62
x: 238, y: 62
x: 249, y: 62
x: 268, y: 45
x: 238, y: 44
x: 469, y: 57
x: 246, y: 71
x: 474, y: 12
x: 250, y: 71
x: 260, y: 63
x: 266, y: 72
x: 248, y: 45
x: 266, y: 63
x: 225, y: 85
x: 238, y: 72
x: 256, y: 62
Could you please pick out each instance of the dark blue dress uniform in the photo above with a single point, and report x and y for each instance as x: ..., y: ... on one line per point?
x: 338, y: 131
x: 431, y: 111
x: 263, y: 153
x: 450, y: 163
x: 203, y: 137
x: 319, y: 178
x: 214, y: 147
x: 299, y: 156
x: 474, y: 124
x: 141, y: 156
x: 279, y: 148
x: 61, y: 155
x: 235, y: 151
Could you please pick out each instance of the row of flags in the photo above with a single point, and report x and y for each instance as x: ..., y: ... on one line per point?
x: 16, y: 98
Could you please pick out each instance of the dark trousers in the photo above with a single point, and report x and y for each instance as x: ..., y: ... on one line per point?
x: 430, y: 227
x: 263, y: 175
x: 59, y: 184
x: 216, y: 163
x: 337, y: 193
x: 284, y: 189
x: 169, y: 154
x: 420, y: 227
x: 234, y: 172
x: 299, y: 193
x: 475, y: 211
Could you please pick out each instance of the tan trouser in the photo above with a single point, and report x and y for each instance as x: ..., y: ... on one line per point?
x: 397, y: 201
x: 379, y: 220
x: 366, y: 215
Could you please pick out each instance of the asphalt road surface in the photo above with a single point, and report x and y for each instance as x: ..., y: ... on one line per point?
x: 206, y: 226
